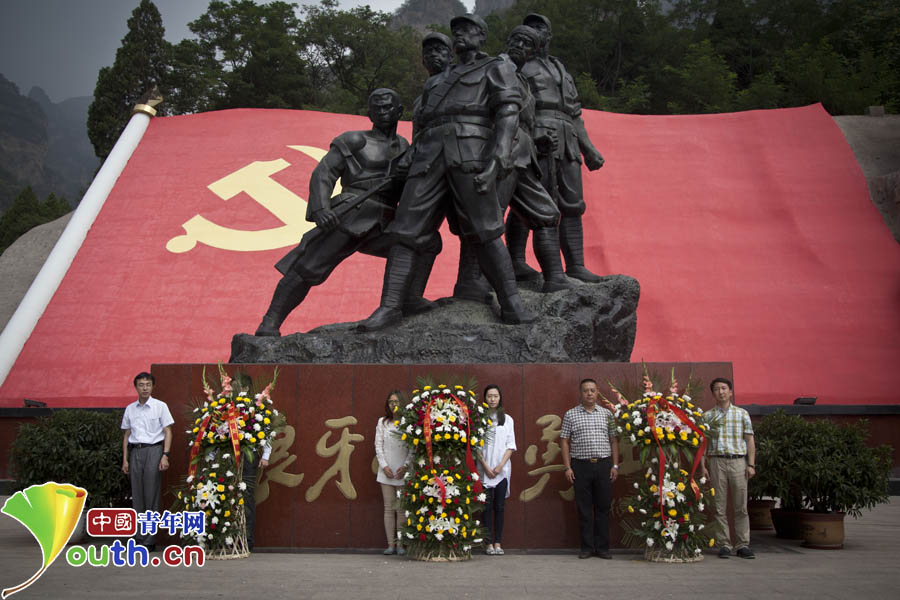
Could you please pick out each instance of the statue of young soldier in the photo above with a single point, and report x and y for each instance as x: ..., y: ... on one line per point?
x: 363, y: 161
x: 469, y: 118
x: 558, y: 111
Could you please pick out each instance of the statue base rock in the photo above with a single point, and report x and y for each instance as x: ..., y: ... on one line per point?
x: 588, y: 323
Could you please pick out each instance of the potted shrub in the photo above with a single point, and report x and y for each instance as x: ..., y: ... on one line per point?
x: 81, y: 447
x: 843, y: 476
x: 781, y: 442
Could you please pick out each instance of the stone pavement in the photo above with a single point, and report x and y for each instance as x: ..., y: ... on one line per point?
x: 867, y: 567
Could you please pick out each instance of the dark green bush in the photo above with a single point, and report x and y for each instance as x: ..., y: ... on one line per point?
x: 76, y: 446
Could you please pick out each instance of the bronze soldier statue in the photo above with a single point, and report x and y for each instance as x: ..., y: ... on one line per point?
x: 469, y: 117
x: 355, y: 219
x: 558, y: 111
x: 437, y: 52
x: 523, y: 190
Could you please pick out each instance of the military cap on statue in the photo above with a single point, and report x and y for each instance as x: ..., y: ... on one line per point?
x: 471, y: 19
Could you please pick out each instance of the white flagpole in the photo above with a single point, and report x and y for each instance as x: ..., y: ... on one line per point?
x: 36, y: 299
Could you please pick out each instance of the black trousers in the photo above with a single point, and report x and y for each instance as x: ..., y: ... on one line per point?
x: 593, y: 497
x: 493, y: 512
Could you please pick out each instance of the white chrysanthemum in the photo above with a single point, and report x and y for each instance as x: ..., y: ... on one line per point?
x: 649, y: 542
x: 643, y: 511
x: 242, y: 486
x: 657, y: 526
x: 669, y: 545
x: 633, y: 438
x: 229, y: 541
x: 482, y: 497
x: 701, y: 507
x: 636, y: 486
x: 702, y: 480
x: 229, y: 474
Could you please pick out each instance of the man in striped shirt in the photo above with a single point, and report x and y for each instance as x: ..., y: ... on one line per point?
x: 590, y: 453
x: 731, y: 463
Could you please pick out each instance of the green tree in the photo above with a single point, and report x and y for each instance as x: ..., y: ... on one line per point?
x: 27, y: 212
x: 705, y: 83
x: 141, y: 63
x: 353, y: 52
x: 245, y: 55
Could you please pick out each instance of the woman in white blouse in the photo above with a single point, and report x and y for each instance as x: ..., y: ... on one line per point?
x: 496, y: 468
x: 393, y: 456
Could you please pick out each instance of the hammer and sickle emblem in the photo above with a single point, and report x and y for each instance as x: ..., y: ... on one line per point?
x: 255, y: 180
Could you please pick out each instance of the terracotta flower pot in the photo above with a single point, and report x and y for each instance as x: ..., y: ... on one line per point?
x: 787, y: 524
x: 760, y: 514
x: 824, y: 531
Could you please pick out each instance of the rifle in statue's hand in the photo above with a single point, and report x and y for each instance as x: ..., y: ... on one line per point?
x: 286, y: 264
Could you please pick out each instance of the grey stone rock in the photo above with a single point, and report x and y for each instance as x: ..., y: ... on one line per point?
x: 587, y: 323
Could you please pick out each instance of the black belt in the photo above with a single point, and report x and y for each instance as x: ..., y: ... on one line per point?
x: 132, y: 446
x: 592, y: 460
x: 727, y: 455
x: 554, y: 114
x: 470, y: 119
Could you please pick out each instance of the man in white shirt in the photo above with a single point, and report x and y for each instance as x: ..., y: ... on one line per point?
x: 145, y: 448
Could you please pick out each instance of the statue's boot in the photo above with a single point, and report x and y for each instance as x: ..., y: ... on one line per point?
x: 470, y: 281
x: 415, y: 301
x: 288, y: 295
x: 497, y: 267
x: 397, y: 274
x: 516, y: 240
x: 571, y: 241
x: 546, y: 249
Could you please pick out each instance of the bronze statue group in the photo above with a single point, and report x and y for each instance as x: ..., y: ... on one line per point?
x: 489, y: 133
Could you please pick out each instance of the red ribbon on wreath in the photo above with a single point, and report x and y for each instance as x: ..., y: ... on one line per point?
x: 470, y: 460
x: 195, y: 447
x: 231, y: 417
x: 657, y: 404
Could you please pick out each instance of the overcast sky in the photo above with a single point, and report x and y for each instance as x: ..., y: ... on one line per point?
x: 60, y: 45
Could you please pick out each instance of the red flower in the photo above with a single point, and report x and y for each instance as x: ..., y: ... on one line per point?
x: 212, y: 525
x: 221, y: 480
x: 422, y: 536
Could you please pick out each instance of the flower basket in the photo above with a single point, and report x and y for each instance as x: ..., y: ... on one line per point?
x: 667, y: 508
x: 229, y: 426
x: 667, y: 556
x: 239, y: 547
x: 442, y: 493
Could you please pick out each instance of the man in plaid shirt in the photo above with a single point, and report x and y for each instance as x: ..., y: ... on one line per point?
x: 731, y: 463
x: 590, y: 452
